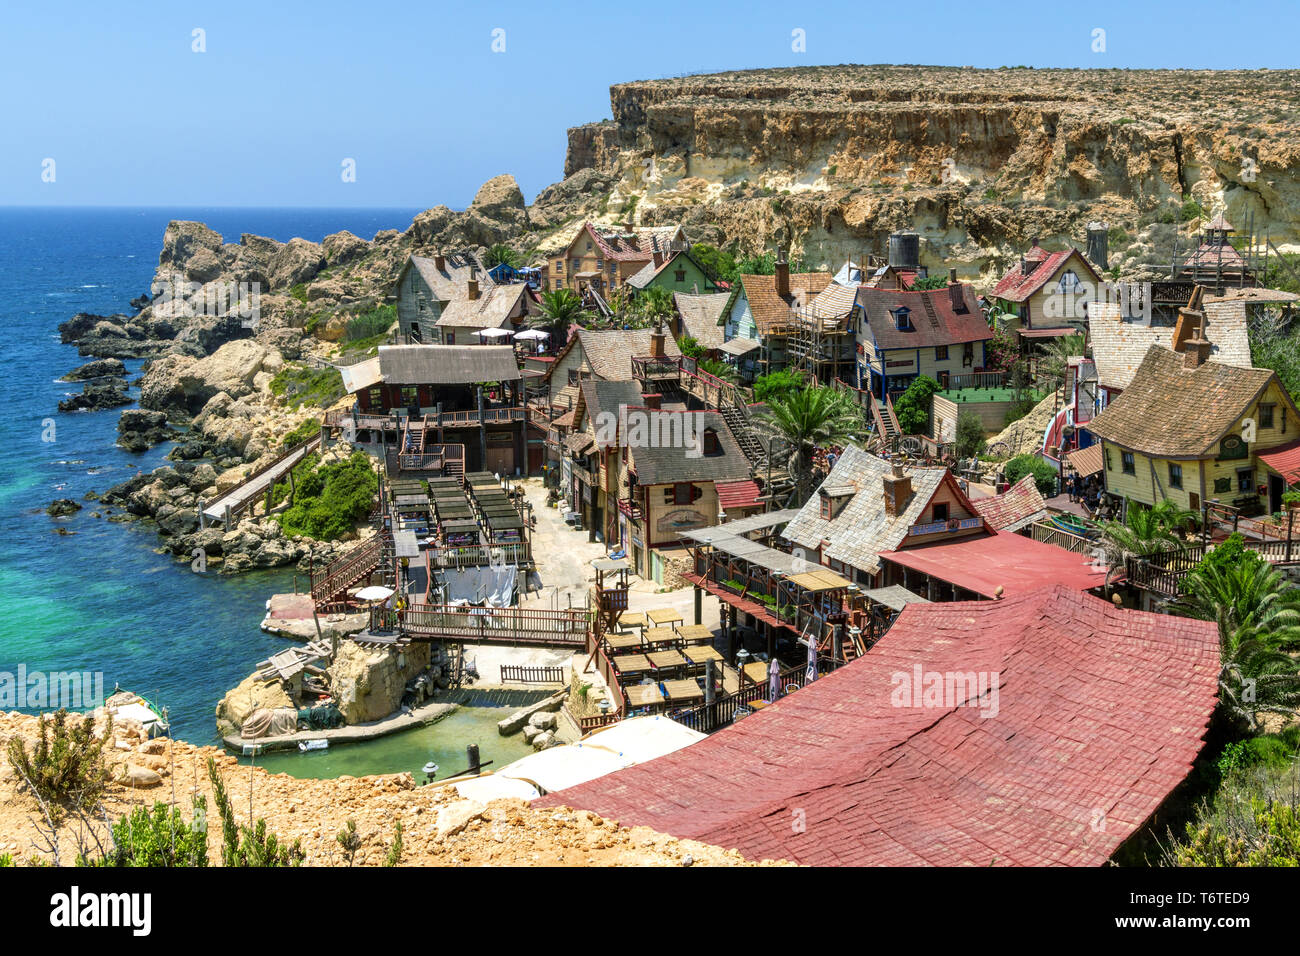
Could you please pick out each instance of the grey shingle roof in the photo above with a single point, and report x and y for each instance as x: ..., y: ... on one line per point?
x: 1119, y: 345
x: 450, y: 282
x: 861, y: 529
x: 489, y: 311
x: 660, y: 464
x: 609, y: 354
x: 700, y: 314
x: 447, y: 364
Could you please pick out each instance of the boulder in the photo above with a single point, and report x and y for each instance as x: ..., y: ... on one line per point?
x: 97, y: 396
x: 139, y: 429
x: 296, y: 262
x: 101, y: 368
x: 130, y: 775
x: 250, y: 695
x: 531, y: 732
x: 62, y: 507
x: 454, y: 817
x: 543, y: 720
x: 500, y: 200
x: 544, y: 741
x: 344, y: 247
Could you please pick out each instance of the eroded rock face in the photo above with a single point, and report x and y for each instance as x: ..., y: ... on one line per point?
x: 368, y: 684
x: 297, y: 261
x: 184, y: 385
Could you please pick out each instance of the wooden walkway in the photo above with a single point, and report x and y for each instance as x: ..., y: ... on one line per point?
x: 242, y: 496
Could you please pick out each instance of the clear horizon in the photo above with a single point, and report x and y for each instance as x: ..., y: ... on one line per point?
x: 264, y: 106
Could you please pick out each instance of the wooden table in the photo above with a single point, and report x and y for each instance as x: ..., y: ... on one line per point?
x: 621, y: 642
x: 700, y: 654
x: 661, y: 635
x: 664, y: 615
x: 695, y: 634
x: 666, y: 660
x: 682, y: 690
x: 631, y: 619
x: 756, y: 672
x: 643, y: 695
x: 631, y: 663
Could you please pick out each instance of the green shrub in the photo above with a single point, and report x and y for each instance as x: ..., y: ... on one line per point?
x: 970, y: 435
x: 1030, y: 464
x: 66, y: 768
x: 331, y: 499
x: 249, y: 846
x: 372, y: 324
x: 299, y: 292
x: 777, y: 385
x: 1226, y: 554
x: 160, y: 838
x: 913, y: 406
x: 306, y: 429
x: 690, y: 347
x: 297, y: 385
x: 394, y: 857
x: 1253, y: 820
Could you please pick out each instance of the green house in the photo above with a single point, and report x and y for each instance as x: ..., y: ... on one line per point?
x: 677, y: 272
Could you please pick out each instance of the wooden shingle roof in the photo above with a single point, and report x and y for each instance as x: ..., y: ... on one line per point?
x: 1172, y: 411
x: 772, y: 311
x: 1119, y: 345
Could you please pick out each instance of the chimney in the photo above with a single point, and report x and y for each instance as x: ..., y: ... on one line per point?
x: 782, y: 274
x: 1033, y: 241
x: 1098, y: 239
x: 956, y: 292
x: 658, y: 257
x: 439, y: 261
x: 629, y: 227
x: 473, y: 285
x: 1024, y: 266
x: 1195, y: 352
x: 657, y: 342
x: 653, y: 401
x: 898, y: 491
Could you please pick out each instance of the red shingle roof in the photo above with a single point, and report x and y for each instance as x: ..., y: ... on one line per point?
x: 1100, y: 713
x: 934, y: 320
x: 1285, y: 460
x: 1016, y: 286
x: 1019, y: 505
x: 737, y: 494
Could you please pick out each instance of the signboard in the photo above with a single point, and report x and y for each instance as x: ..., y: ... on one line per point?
x: 679, y: 520
x: 904, y: 363
x: 952, y: 524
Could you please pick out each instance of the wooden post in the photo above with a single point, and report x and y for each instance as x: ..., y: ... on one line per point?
x: 1290, y: 519
x: 699, y: 599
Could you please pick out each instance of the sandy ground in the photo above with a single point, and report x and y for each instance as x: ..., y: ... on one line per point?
x: 439, y: 829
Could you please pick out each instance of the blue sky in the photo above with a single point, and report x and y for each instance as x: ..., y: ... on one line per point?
x: 414, y: 93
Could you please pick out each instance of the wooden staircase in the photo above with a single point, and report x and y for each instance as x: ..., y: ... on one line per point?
x: 329, y: 586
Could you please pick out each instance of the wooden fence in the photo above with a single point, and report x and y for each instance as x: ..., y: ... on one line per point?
x: 521, y: 674
x: 505, y: 625
x: 1048, y: 533
x: 707, y: 718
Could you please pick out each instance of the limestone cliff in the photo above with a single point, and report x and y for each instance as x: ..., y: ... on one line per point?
x: 829, y: 160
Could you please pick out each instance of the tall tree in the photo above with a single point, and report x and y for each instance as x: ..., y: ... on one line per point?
x: 560, y: 307
x: 809, y: 418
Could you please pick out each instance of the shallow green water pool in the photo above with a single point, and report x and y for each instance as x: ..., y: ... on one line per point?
x: 443, y: 742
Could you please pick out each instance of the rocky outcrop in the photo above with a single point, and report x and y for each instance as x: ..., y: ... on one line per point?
x: 182, y: 386
x: 103, y: 368
x: 368, y: 684
x: 139, y: 429
x: 96, y: 396
x: 250, y: 695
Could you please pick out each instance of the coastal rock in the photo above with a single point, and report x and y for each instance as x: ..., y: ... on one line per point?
x: 183, y: 240
x: 62, y: 507
x: 250, y: 695
x: 343, y: 247
x: 139, y: 429
x: 297, y: 261
x: 184, y: 385
x: 368, y: 684
x: 543, y: 720
x: 501, y: 201
x: 97, y: 396
x: 100, y: 368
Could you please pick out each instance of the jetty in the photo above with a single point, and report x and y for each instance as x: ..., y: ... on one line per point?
x: 241, y: 498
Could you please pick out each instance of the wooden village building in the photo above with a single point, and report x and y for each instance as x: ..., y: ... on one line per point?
x: 1047, y: 293
x: 603, y: 258
x: 412, y: 396
x: 1193, y: 431
x: 425, y: 287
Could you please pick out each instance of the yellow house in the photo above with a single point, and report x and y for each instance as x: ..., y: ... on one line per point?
x: 1047, y: 290
x: 603, y: 258
x: 1191, y: 430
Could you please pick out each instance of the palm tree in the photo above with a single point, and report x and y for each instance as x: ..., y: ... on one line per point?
x: 561, y: 307
x: 499, y: 253
x: 655, y: 303
x: 1258, y: 613
x: 809, y: 418
x: 1145, y: 531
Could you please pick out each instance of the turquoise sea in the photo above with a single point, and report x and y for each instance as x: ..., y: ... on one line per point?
x: 100, y: 599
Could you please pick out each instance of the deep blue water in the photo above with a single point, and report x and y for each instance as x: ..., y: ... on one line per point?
x: 101, y: 599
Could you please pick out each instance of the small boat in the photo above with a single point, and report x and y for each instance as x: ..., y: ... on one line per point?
x: 1074, y: 525
x: 124, y: 704
x: 319, y: 744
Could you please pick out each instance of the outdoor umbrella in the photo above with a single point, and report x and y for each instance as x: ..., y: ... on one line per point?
x: 375, y: 592
x: 531, y: 334
x: 774, y: 679
x: 812, y: 659
x: 493, y: 333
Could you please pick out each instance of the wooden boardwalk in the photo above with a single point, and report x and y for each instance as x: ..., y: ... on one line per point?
x: 242, y: 496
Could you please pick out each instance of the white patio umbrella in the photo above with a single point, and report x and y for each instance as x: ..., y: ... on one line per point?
x: 375, y: 592
x: 493, y: 333
x: 532, y: 335
x: 811, y: 674
x: 774, y: 679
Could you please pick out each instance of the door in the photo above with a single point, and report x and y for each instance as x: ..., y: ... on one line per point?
x: 1275, y: 488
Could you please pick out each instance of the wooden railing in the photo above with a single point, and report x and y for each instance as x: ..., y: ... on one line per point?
x: 509, y: 625
x: 1048, y: 533
x: 977, y: 380
x: 479, y: 555
x: 523, y: 674
x: 432, y: 458
x: 328, y: 583
x: 610, y: 676
x: 707, y: 718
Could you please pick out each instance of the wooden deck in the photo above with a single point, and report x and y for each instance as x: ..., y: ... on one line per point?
x: 243, y: 495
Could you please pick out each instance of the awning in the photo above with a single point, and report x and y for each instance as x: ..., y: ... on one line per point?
x: 1086, y: 461
x: 1285, y: 460
x: 738, y: 346
x: 576, y: 443
x: 1013, y: 562
x: 738, y: 494
x: 895, y: 597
